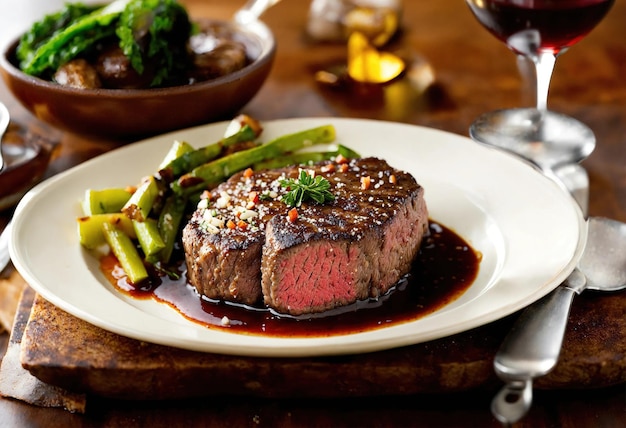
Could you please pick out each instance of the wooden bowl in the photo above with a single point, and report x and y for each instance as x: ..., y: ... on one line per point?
x: 132, y: 113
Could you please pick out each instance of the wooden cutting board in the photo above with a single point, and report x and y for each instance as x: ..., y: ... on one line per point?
x: 64, y: 351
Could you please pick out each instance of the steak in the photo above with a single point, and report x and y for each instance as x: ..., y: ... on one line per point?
x: 243, y: 246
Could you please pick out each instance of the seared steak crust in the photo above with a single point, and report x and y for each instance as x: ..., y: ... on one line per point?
x: 353, y: 248
x: 225, y: 262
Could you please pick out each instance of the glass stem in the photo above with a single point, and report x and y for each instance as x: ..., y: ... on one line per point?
x: 544, y: 65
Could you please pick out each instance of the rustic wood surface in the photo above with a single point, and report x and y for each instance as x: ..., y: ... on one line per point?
x: 474, y: 73
x: 63, y: 351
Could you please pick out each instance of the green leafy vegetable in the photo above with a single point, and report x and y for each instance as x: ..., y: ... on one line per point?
x: 42, y: 30
x: 155, y: 31
x: 66, y: 43
x: 151, y: 33
x: 306, y: 187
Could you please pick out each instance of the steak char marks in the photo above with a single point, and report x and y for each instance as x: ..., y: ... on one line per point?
x: 354, y: 248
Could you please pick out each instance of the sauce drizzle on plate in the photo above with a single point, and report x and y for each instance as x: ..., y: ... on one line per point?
x: 444, y: 269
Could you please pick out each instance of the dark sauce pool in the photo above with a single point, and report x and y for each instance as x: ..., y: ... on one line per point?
x: 445, y: 267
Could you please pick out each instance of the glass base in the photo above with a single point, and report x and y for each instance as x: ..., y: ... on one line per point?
x: 546, y: 138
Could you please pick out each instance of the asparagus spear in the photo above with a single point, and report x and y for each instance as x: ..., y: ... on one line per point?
x: 190, y: 160
x: 300, y: 158
x: 125, y: 252
x: 104, y: 201
x: 90, y: 228
x: 212, y: 173
x: 178, y: 149
x: 149, y: 237
x: 169, y: 224
x: 140, y: 203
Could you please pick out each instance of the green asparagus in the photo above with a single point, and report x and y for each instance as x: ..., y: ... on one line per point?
x: 178, y: 149
x: 149, y: 237
x: 90, y: 228
x: 214, y: 172
x: 192, y: 159
x: 126, y: 253
x: 303, y: 158
x: 104, y: 201
x: 140, y: 203
x: 169, y: 224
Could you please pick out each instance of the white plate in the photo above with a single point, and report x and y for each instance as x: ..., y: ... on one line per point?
x: 530, y: 234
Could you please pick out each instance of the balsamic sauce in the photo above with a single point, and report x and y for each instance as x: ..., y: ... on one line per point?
x: 443, y: 270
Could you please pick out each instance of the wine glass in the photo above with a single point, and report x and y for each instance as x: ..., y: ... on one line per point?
x: 538, y: 31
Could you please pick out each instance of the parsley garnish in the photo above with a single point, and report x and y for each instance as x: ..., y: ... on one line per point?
x: 306, y: 187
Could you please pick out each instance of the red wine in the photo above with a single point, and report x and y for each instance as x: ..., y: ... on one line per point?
x: 558, y: 24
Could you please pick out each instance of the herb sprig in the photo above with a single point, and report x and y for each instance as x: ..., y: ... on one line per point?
x: 306, y: 187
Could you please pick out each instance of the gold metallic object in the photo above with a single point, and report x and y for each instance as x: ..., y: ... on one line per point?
x: 368, y: 65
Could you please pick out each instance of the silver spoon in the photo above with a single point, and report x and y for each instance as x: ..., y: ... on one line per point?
x: 4, y: 124
x: 532, y: 347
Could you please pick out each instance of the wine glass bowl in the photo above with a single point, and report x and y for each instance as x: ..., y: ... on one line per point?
x: 555, y: 25
x: 539, y: 30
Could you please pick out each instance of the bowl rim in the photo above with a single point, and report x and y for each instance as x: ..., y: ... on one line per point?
x: 257, y: 28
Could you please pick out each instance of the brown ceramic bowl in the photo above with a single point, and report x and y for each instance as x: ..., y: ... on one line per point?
x: 130, y: 113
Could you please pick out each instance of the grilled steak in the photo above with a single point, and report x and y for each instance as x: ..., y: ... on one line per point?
x: 334, y: 254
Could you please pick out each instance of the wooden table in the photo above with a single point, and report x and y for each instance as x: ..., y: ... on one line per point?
x: 474, y: 73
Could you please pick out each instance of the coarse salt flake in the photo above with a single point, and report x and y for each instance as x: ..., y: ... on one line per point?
x: 203, y: 204
x: 223, y: 200
x: 248, y: 214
